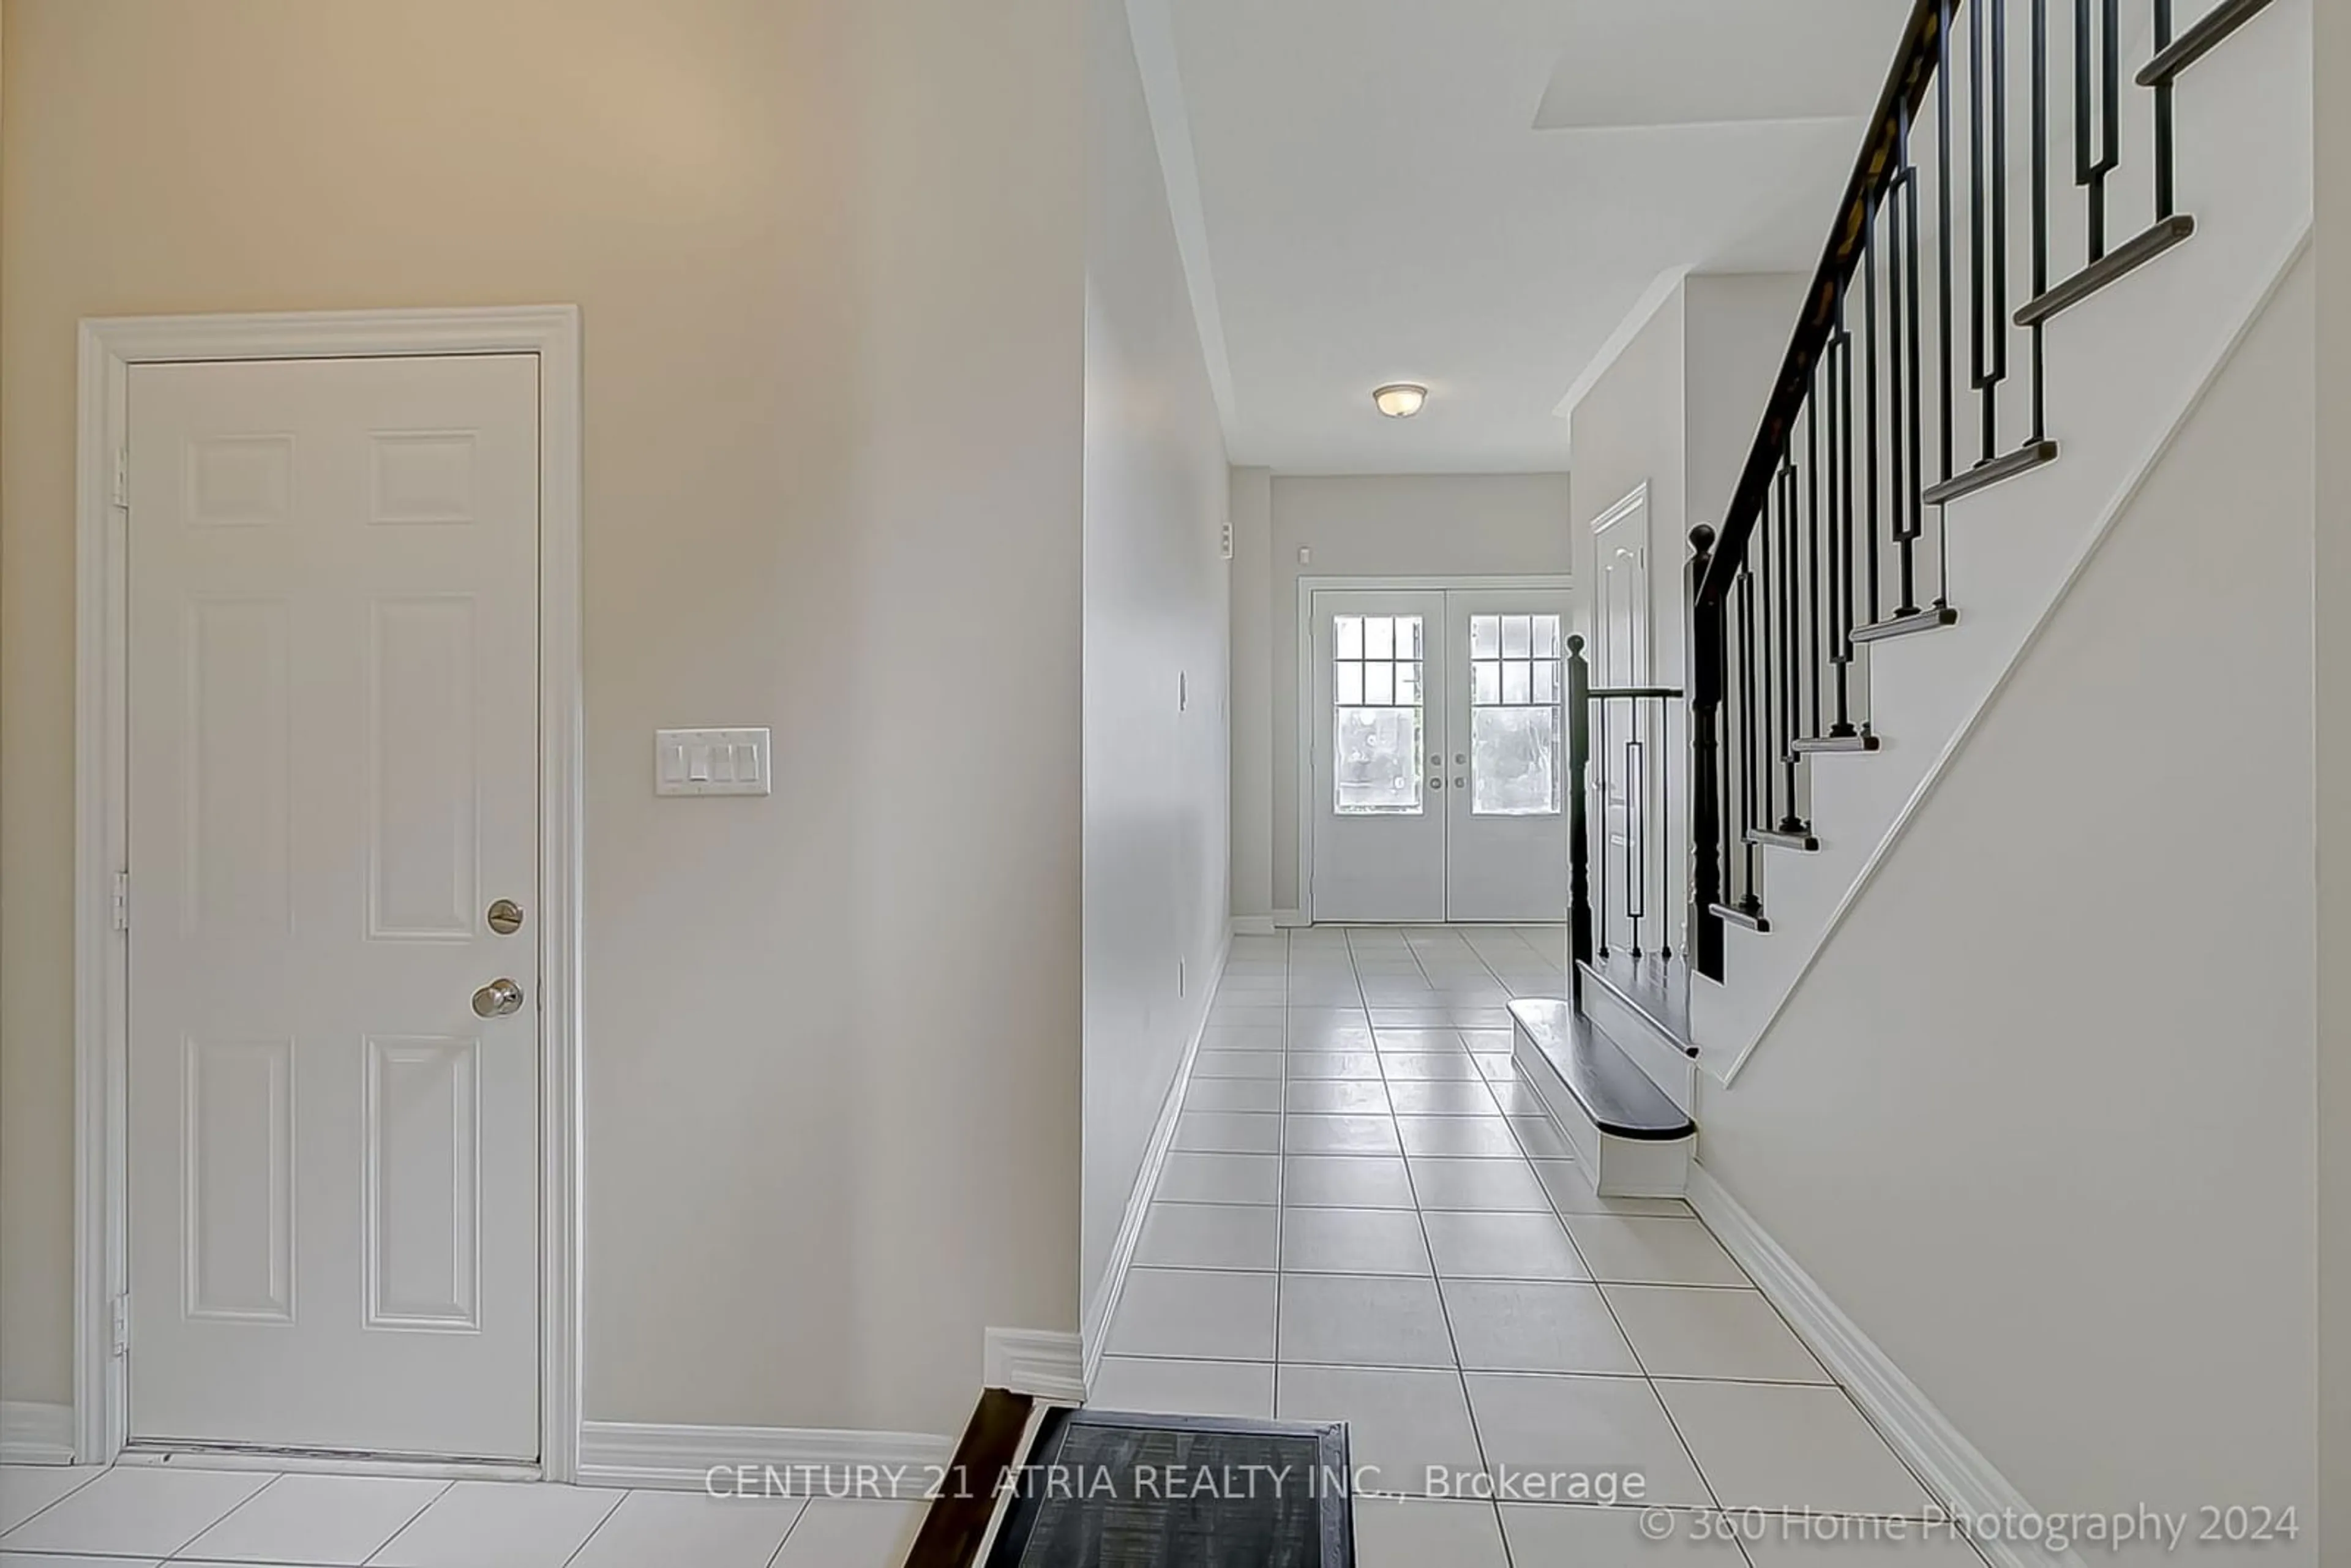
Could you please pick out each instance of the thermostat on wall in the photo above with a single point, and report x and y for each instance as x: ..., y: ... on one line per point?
x: 710, y: 762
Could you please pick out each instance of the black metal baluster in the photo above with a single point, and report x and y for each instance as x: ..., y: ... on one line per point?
x: 1767, y: 680
x: 1901, y: 402
x: 1841, y: 524
x: 1599, y: 776
x: 1661, y: 738
x: 1792, y: 642
x: 1943, y: 238
x: 1912, y: 498
x: 1814, y: 627
x: 2040, y: 205
x: 1750, y: 899
x: 2098, y: 110
x: 1707, y: 674
x: 1947, y: 421
x: 1637, y: 830
x: 1987, y: 209
x: 1869, y: 408
x: 2165, y: 199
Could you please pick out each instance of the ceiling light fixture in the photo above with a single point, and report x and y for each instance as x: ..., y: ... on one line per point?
x: 1399, y: 400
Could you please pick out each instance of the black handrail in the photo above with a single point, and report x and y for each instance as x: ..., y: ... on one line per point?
x: 1881, y: 158
x: 1836, y: 537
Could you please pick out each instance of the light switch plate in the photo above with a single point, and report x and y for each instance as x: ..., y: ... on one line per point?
x: 710, y: 762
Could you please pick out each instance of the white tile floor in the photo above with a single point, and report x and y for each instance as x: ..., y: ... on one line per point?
x: 144, y: 1516
x: 1365, y: 1220
x: 1369, y: 1219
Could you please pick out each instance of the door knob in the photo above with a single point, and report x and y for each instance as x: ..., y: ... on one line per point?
x: 497, y: 998
x: 1437, y: 783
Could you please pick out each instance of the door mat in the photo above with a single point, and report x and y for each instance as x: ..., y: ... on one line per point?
x: 1101, y: 1490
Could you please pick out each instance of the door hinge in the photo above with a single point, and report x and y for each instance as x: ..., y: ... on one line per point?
x: 122, y: 476
x: 122, y: 901
x: 122, y: 1336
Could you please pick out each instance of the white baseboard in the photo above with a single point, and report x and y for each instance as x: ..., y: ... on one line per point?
x: 1958, y: 1475
x: 1093, y: 1326
x: 1037, y: 1361
x: 32, y: 1434
x: 762, y: 1461
x: 280, y: 1462
x: 1285, y: 918
x: 1253, y: 925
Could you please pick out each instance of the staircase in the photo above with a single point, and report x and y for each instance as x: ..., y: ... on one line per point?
x: 2061, y: 218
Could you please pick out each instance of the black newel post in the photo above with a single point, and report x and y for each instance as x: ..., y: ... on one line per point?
x: 1579, y: 842
x: 1706, y: 674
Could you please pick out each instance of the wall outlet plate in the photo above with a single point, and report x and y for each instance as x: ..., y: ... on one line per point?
x: 710, y: 762
x: 1225, y: 539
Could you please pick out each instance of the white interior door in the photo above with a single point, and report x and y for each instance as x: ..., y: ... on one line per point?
x: 1375, y: 726
x: 1506, y: 755
x: 333, y: 766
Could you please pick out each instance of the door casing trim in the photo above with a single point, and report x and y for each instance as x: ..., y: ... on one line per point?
x: 110, y: 347
x: 1304, y: 740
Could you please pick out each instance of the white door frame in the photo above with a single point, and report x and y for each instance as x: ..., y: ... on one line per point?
x: 1304, y: 740
x: 110, y: 347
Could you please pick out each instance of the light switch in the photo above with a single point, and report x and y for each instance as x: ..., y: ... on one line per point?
x: 710, y: 762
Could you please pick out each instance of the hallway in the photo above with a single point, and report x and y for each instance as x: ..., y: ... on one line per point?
x: 1366, y: 1217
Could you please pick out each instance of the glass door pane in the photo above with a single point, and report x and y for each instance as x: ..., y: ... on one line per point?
x: 1376, y: 715
x: 1515, y: 723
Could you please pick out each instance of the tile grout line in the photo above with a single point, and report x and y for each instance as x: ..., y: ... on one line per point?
x: 1633, y: 1350
x: 1281, y: 1169
x: 606, y: 1517
x: 223, y: 1518
x: 97, y: 1474
x: 385, y: 1544
x: 1452, y: 1339
x: 1651, y: 1384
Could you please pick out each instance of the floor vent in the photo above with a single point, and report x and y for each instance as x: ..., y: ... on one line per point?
x: 1101, y: 1490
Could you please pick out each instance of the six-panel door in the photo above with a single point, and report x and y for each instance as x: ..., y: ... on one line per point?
x: 333, y: 751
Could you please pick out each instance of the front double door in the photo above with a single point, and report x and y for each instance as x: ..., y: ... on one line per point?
x: 1439, y: 746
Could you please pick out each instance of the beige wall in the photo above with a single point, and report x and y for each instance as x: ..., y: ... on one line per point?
x: 2330, y: 583
x: 1250, y: 508
x: 829, y: 257
x: 1422, y: 525
x: 1156, y: 642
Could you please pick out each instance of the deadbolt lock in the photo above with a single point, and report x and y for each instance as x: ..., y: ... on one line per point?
x: 506, y: 916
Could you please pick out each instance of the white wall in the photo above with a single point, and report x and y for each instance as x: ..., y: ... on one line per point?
x: 1677, y: 410
x: 1156, y: 791
x: 829, y: 259
x: 2039, y: 1119
x: 1737, y: 328
x: 1628, y: 430
x: 1388, y: 525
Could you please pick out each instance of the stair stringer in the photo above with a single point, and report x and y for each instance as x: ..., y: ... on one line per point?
x: 2127, y: 371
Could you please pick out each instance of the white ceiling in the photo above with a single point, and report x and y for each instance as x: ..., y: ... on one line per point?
x: 1473, y: 194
